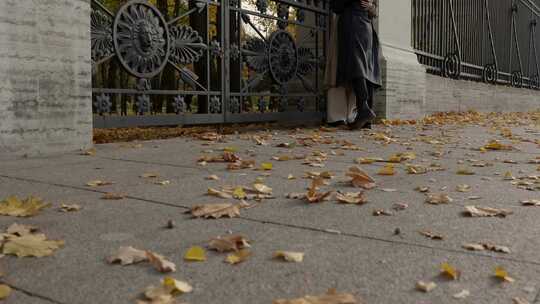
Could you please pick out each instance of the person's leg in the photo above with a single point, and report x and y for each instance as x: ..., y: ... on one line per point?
x: 371, y: 91
x: 364, y: 113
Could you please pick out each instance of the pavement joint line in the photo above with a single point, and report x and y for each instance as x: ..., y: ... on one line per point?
x: 155, y: 163
x: 34, y: 295
x: 321, y: 230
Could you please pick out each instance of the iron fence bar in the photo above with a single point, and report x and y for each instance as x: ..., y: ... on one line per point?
x: 103, y: 8
x: 253, y: 13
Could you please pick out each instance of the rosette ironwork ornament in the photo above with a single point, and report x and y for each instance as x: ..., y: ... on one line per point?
x: 283, y: 56
x: 179, y: 104
x: 452, y: 65
x: 517, y: 79
x: 234, y: 105
x: 534, y: 82
x: 490, y: 74
x: 215, y: 105
x: 102, y: 104
x: 141, y: 39
x: 143, y: 104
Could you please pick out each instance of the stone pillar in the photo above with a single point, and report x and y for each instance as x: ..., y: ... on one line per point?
x: 404, y: 78
x: 45, y: 77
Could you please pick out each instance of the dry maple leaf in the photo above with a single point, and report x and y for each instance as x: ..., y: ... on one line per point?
x: 313, y: 196
x: 219, y: 193
x: 20, y: 230
x: 438, y: 199
x: 238, y: 257
x: 432, y: 235
x: 228, y: 243
x: 450, y: 271
x: 360, y: 179
x: 243, y: 164
x: 474, y: 211
x: 351, y: 198
x: 425, y: 286
x: 216, y: 211
x: 422, y: 189
x: 195, y: 254
x: 165, y: 293
x: 160, y: 263
x: 34, y: 245
x: 289, y: 256
x: 463, y: 188
x: 497, y: 146
x: 389, y: 169
x: 127, y: 256
x: 331, y: 297
x: 502, y: 274
x: 416, y: 169
x: 262, y: 189
x: 13, y: 206
x: 532, y: 202
x: 89, y: 152
x: 519, y: 301
x: 69, y: 208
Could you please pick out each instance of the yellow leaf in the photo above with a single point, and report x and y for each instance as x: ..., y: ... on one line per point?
x: 502, y: 274
x: 289, y: 256
x: 196, y: 254
x: 230, y: 149
x: 13, y: 206
x: 34, y: 245
x: 175, y: 286
x: 465, y: 171
x: 290, y: 176
x: 238, y: 257
x: 331, y: 297
x: 266, y: 166
x: 5, y: 291
x: 239, y: 193
x: 387, y: 170
x: 217, y: 210
x: 451, y: 272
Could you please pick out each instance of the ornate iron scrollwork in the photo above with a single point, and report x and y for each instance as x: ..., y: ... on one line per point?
x: 234, y: 105
x: 186, y: 45
x: 143, y: 104
x: 534, y: 82
x: 517, y: 79
x: 102, y: 37
x: 301, y: 104
x: 283, y: 13
x: 262, y: 105
x: 102, y: 104
x: 215, y: 105
x: 283, y: 57
x: 262, y: 6
x: 452, y: 65
x: 179, y: 104
x: 141, y: 39
x: 490, y: 73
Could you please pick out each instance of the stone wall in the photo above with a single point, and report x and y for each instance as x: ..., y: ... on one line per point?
x: 45, y: 76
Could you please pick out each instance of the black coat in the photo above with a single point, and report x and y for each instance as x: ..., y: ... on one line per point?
x: 359, y: 50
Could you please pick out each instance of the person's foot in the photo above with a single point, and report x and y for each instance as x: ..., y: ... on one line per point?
x: 367, y: 126
x: 336, y: 123
x: 362, y: 119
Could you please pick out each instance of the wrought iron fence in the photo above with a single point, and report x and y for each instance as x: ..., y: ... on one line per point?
x: 169, y: 62
x: 494, y: 41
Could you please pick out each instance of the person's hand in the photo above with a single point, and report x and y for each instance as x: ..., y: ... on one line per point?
x: 367, y: 4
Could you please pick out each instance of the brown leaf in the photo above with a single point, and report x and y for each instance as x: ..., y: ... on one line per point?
x: 30, y: 245
x: 313, y: 196
x: 243, y: 164
x: 438, y: 199
x: 160, y: 263
x: 331, y: 297
x: 149, y: 175
x: 532, y: 202
x: 238, y: 257
x: 20, y: 230
x: 360, y: 179
x: 219, y: 193
x: 128, y: 256
x: 217, y: 210
x: 422, y: 189
x: 474, y: 211
x: 486, y: 246
x: 228, y: 243
x: 432, y: 235
x: 212, y: 177
x: 13, y: 206
x: 519, y: 301
x: 351, y: 198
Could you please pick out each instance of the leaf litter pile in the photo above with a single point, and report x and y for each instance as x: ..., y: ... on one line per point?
x: 367, y: 174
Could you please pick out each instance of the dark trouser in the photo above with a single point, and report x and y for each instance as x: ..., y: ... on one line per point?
x: 364, y: 95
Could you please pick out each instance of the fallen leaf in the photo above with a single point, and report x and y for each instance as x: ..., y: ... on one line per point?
x: 127, y: 256
x: 163, y: 182
x: 387, y: 170
x: 149, y: 175
x: 5, y: 291
x: 519, y: 301
x: 462, y: 294
x: 351, y: 198
x: 497, y: 146
x: 432, y: 235
x: 331, y: 297
x: 400, y: 206
x: 20, y: 230
x: 360, y: 179
x: 261, y: 188
x: 422, y: 189
x: 113, y: 196
x: 165, y: 293
x: 238, y: 257
x: 160, y: 263
x: 438, y: 199
x: 289, y: 256
x: 502, y: 274
x: 267, y: 166
x: 532, y: 202
x: 239, y: 193
x: 290, y: 177
x: 379, y: 212
x: 463, y: 188
x: 228, y: 243
x: 315, y: 175
x: 474, y: 211
x: 425, y: 286
x: 313, y: 196
x: 13, y: 206
x: 486, y: 246
x: 89, y: 152
x: 388, y: 190
x: 242, y: 164
x: 176, y: 286
x: 416, y: 169
x: 212, y: 177
x: 217, y: 210
x: 34, y: 245
x: 296, y: 195
x: 450, y: 271
x: 69, y: 208
x: 218, y: 193
x: 98, y: 183
x: 195, y: 254
x: 465, y: 171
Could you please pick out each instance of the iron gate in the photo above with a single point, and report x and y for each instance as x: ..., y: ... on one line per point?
x: 175, y: 62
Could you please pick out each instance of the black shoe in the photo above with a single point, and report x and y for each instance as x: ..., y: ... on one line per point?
x: 367, y: 126
x: 362, y: 119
